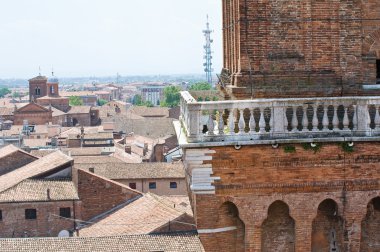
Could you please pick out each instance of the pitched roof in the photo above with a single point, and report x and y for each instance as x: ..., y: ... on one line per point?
x: 79, y: 110
x: 36, y: 142
x: 150, y: 111
x: 142, y: 216
x: 33, y: 169
x: 39, y: 77
x: 149, y: 127
x: 88, y: 151
x: 32, y: 190
x: 137, y: 171
x: 32, y: 107
x: 96, y: 160
x: 10, y: 149
x: 132, y: 243
x: 6, y: 111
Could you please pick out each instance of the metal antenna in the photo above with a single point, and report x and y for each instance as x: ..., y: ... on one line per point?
x: 39, y: 70
x: 208, y: 53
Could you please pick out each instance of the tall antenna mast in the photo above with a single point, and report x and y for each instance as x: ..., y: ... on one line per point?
x: 208, y: 53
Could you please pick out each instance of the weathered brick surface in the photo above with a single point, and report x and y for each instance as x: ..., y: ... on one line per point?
x: 99, y: 194
x: 320, y: 48
x: 48, y: 222
x: 255, y: 177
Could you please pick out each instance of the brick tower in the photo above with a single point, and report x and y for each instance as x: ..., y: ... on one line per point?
x: 295, y: 48
x: 37, y: 87
x: 299, y: 168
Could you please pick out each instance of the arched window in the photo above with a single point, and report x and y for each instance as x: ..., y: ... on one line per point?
x: 52, y: 89
x: 37, y: 91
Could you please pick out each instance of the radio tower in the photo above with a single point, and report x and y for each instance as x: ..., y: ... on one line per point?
x: 208, y: 53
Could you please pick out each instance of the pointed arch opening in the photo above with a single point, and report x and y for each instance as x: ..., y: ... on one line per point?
x: 370, y: 241
x: 228, y: 217
x: 327, y: 230
x: 278, y: 229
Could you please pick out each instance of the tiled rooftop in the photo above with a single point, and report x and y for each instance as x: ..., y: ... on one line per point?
x: 32, y: 190
x: 143, y: 216
x: 38, y: 167
x: 136, y: 171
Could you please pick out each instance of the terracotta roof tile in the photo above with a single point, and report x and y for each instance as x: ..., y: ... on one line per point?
x: 31, y: 190
x: 133, y: 243
x: 142, y: 216
x: 136, y: 171
x: 38, y: 167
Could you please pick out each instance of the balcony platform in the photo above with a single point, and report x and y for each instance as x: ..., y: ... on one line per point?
x: 277, y: 121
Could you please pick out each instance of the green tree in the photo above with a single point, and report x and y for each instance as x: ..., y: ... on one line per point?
x: 101, y: 102
x: 16, y: 95
x: 137, y: 100
x: 75, y: 101
x: 171, y: 96
x: 200, y: 86
x: 4, y: 91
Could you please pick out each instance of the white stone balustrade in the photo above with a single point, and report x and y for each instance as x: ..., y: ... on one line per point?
x: 279, y: 119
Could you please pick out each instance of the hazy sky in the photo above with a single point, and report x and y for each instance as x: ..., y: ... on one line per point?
x: 103, y: 37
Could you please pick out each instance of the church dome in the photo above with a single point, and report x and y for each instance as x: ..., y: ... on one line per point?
x: 53, y: 79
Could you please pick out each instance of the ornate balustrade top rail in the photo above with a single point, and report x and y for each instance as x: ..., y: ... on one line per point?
x: 303, y: 119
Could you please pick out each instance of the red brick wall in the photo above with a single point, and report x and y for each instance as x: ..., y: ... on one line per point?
x: 255, y: 177
x: 300, y: 48
x: 99, y: 194
x: 47, y: 224
x: 36, y: 118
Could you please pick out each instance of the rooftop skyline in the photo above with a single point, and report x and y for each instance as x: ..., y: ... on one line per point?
x: 102, y: 38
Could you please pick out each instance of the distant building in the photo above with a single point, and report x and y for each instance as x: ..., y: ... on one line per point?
x: 153, y: 94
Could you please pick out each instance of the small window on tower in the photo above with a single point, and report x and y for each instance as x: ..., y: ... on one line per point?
x: 52, y: 89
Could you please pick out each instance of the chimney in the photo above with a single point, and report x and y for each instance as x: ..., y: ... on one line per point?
x: 128, y: 149
x: 145, y: 149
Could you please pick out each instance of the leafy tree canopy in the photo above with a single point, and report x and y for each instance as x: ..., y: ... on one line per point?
x: 200, y: 86
x: 101, y: 102
x: 75, y: 101
x: 4, y: 91
x: 171, y: 96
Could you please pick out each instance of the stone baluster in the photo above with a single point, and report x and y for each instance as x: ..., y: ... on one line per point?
x: 252, y: 123
x: 262, y: 121
x: 377, y: 118
x: 271, y: 121
x: 221, y: 123
x: 288, y: 121
x: 369, y: 118
x: 294, y: 120
x: 354, y: 118
x: 325, y: 119
x: 241, y: 122
x: 231, y: 122
x: 346, y: 122
x: 315, y: 118
x: 305, y: 120
x: 210, y: 123
x: 335, y: 121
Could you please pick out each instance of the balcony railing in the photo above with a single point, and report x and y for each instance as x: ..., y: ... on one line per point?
x: 279, y: 119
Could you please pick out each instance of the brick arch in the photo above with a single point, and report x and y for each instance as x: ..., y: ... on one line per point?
x: 232, y: 240
x: 278, y: 229
x: 371, y: 44
x: 327, y: 228
x: 370, y: 235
